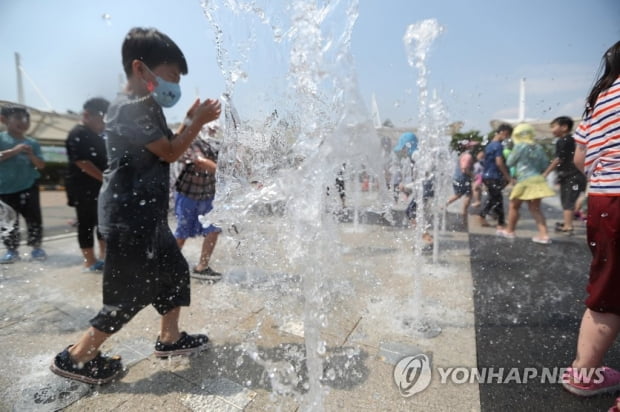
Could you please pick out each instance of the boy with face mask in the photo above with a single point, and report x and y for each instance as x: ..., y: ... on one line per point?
x: 143, y: 264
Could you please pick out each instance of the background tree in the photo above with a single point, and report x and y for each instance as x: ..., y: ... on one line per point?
x: 472, y: 135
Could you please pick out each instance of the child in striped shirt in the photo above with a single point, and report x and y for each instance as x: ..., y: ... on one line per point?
x: 598, y: 155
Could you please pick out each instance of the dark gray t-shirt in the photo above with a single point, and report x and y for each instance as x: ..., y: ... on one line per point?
x: 134, y: 194
x: 565, y: 150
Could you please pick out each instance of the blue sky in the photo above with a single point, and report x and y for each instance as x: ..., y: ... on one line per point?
x: 71, y: 52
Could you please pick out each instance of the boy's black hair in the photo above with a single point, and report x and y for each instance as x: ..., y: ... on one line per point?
x: 96, y: 106
x: 151, y: 47
x: 564, y: 121
x: 13, y: 109
x: 504, y: 127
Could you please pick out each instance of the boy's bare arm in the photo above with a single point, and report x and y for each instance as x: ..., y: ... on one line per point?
x: 198, y: 115
x: 551, y: 167
x: 90, y: 169
x: 14, y: 151
x: 34, y: 159
x: 501, y: 165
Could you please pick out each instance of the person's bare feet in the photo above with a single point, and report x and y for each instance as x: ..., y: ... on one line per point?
x: 483, y: 222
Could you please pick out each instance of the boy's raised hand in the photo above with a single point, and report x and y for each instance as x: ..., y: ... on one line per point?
x: 204, y: 112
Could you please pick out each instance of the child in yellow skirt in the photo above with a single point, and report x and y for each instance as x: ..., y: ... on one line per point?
x: 530, y: 161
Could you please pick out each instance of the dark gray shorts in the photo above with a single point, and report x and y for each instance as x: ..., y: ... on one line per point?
x: 570, y: 189
x: 141, y: 269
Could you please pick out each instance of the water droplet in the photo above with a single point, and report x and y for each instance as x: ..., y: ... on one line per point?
x: 592, y: 244
x: 142, y: 202
x: 575, y: 187
x: 321, y: 349
x: 330, y: 374
x: 605, y: 214
x: 107, y: 18
x: 351, y: 352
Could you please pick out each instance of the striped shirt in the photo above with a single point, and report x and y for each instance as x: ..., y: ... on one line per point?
x: 600, y: 133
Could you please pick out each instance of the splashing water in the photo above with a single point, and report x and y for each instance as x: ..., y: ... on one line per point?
x: 7, y: 219
x: 274, y: 168
x: 430, y: 159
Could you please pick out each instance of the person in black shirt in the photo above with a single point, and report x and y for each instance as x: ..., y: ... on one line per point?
x: 572, y: 181
x: 87, y: 161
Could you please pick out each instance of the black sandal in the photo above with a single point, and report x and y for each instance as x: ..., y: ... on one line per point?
x: 561, y: 229
x: 97, y: 371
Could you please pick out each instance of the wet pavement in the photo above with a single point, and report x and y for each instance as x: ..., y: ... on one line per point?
x: 529, y: 303
x: 498, y: 303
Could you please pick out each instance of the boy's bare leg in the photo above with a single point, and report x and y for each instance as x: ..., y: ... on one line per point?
x: 208, y: 244
x: 102, y: 249
x: 476, y: 193
x: 169, y: 332
x: 452, y: 199
x: 568, y: 219
x: 88, y: 345
x: 465, y: 210
x: 89, y: 257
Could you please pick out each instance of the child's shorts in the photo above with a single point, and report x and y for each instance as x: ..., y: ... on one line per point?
x: 604, y: 242
x: 187, y: 211
x: 141, y: 269
x: 462, y: 186
x: 570, y: 189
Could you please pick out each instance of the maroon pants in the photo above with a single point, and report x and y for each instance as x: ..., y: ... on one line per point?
x: 604, y: 242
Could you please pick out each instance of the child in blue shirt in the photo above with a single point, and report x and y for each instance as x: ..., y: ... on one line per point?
x: 20, y: 162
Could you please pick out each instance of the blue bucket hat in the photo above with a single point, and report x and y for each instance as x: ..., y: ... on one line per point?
x: 408, y: 140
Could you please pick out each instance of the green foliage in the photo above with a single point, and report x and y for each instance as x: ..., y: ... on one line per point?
x: 472, y: 135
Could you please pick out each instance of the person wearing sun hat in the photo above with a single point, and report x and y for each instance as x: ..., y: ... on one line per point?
x: 402, y: 163
x: 408, y: 140
x: 530, y: 161
x: 405, y: 182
